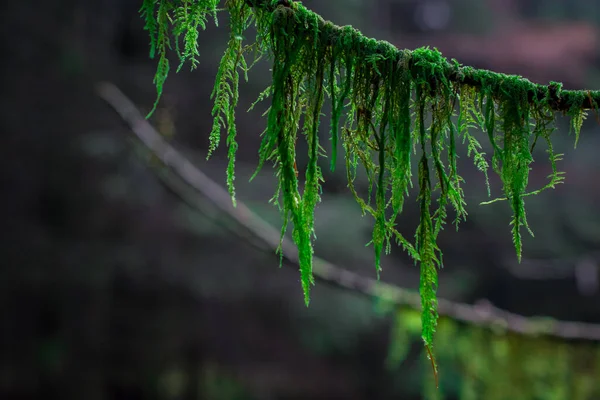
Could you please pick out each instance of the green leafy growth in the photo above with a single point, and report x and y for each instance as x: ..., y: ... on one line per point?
x: 190, y: 17
x: 482, y: 363
x: 388, y: 105
x: 225, y: 92
x: 164, y: 19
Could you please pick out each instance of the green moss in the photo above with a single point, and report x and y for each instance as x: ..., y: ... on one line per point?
x: 387, y: 106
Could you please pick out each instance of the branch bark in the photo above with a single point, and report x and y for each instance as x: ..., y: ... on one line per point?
x: 482, y: 314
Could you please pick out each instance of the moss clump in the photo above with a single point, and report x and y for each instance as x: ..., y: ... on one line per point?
x: 388, y: 105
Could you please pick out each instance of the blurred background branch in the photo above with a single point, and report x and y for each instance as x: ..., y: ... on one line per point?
x: 193, y: 180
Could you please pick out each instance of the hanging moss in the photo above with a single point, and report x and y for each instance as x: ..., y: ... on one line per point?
x: 388, y: 105
x: 164, y: 19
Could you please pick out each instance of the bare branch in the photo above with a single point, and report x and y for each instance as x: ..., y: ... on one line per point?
x: 482, y: 314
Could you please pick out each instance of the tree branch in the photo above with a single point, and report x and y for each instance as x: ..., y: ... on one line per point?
x: 558, y: 99
x: 482, y: 314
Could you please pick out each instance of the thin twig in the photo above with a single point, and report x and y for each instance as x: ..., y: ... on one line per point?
x: 481, y: 314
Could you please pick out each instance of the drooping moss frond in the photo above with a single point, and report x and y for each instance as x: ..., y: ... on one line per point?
x: 164, y: 19
x: 189, y: 17
x: 225, y: 92
x: 387, y: 105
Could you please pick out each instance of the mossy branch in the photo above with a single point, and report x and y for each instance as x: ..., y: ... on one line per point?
x: 558, y: 99
x: 386, y: 104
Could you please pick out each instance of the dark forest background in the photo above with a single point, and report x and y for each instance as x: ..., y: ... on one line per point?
x: 112, y: 288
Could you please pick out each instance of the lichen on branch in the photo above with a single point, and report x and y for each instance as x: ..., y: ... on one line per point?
x: 388, y: 107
